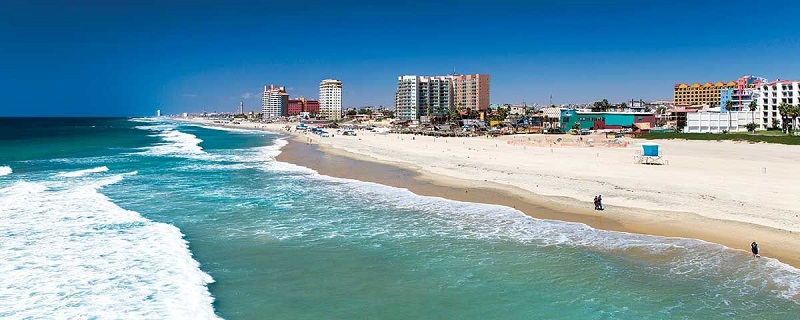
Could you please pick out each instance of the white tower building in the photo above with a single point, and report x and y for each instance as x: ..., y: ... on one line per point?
x: 330, y: 99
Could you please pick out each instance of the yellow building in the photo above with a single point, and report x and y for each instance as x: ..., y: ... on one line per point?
x: 739, y: 91
x: 694, y: 94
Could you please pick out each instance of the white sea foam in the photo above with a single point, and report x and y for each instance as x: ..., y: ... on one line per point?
x: 156, y: 127
x: 214, y: 167
x: 74, y: 174
x: 5, y: 170
x: 177, y: 144
x: 261, y: 154
x: 234, y: 130
x: 273, y: 150
x: 72, y: 253
x: 265, y: 156
x: 146, y: 120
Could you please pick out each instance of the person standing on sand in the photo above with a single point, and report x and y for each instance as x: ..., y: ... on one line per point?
x: 595, y: 202
x: 754, y: 249
x: 599, y: 202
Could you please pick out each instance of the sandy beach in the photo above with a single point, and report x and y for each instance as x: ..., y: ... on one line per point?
x: 724, y: 192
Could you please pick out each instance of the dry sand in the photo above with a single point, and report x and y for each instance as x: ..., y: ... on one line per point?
x: 724, y: 192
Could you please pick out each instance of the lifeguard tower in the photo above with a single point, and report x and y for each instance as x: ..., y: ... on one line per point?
x: 650, y: 154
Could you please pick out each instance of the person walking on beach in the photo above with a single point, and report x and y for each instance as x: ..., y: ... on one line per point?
x: 754, y: 249
x: 595, y: 203
x: 599, y: 202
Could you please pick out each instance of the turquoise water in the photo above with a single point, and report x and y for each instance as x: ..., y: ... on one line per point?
x: 145, y: 218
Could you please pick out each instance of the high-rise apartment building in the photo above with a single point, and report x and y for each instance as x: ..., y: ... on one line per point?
x: 770, y: 96
x: 416, y: 96
x: 406, y: 98
x: 472, y: 91
x: 330, y: 99
x: 274, y: 102
x: 421, y: 96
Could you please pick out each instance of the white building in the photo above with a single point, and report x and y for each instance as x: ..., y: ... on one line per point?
x: 415, y: 95
x: 330, y: 99
x: 274, y: 102
x: 553, y: 113
x: 406, y: 98
x: 717, y: 122
x: 770, y: 96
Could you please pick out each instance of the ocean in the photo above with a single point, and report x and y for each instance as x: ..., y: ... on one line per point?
x: 156, y: 219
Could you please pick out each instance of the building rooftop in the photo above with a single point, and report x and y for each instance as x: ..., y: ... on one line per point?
x: 781, y: 81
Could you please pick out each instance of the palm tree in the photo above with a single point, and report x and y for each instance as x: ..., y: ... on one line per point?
x: 795, y: 112
x: 438, y: 114
x: 454, y: 114
x: 753, y: 106
x: 784, y: 109
x: 601, y: 106
x: 776, y: 123
x: 728, y: 106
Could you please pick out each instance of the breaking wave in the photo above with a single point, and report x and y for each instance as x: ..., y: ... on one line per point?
x: 74, y: 174
x: 73, y: 253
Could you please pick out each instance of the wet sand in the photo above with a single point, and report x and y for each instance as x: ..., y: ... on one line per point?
x: 781, y: 244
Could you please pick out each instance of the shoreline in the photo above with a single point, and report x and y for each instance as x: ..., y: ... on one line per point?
x: 780, y: 244
x: 683, y: 225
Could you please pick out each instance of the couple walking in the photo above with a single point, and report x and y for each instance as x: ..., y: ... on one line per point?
x: 598, y: 202
x: 754, y: 249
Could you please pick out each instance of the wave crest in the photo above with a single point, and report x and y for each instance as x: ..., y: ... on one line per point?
x: 76, y: 247
x: 74, y: 174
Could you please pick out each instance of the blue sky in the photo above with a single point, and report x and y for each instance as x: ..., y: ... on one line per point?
x: 125, y: 58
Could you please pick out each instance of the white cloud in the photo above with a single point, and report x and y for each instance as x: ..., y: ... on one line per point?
x: 189, y: 95
x: 247, y: 95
